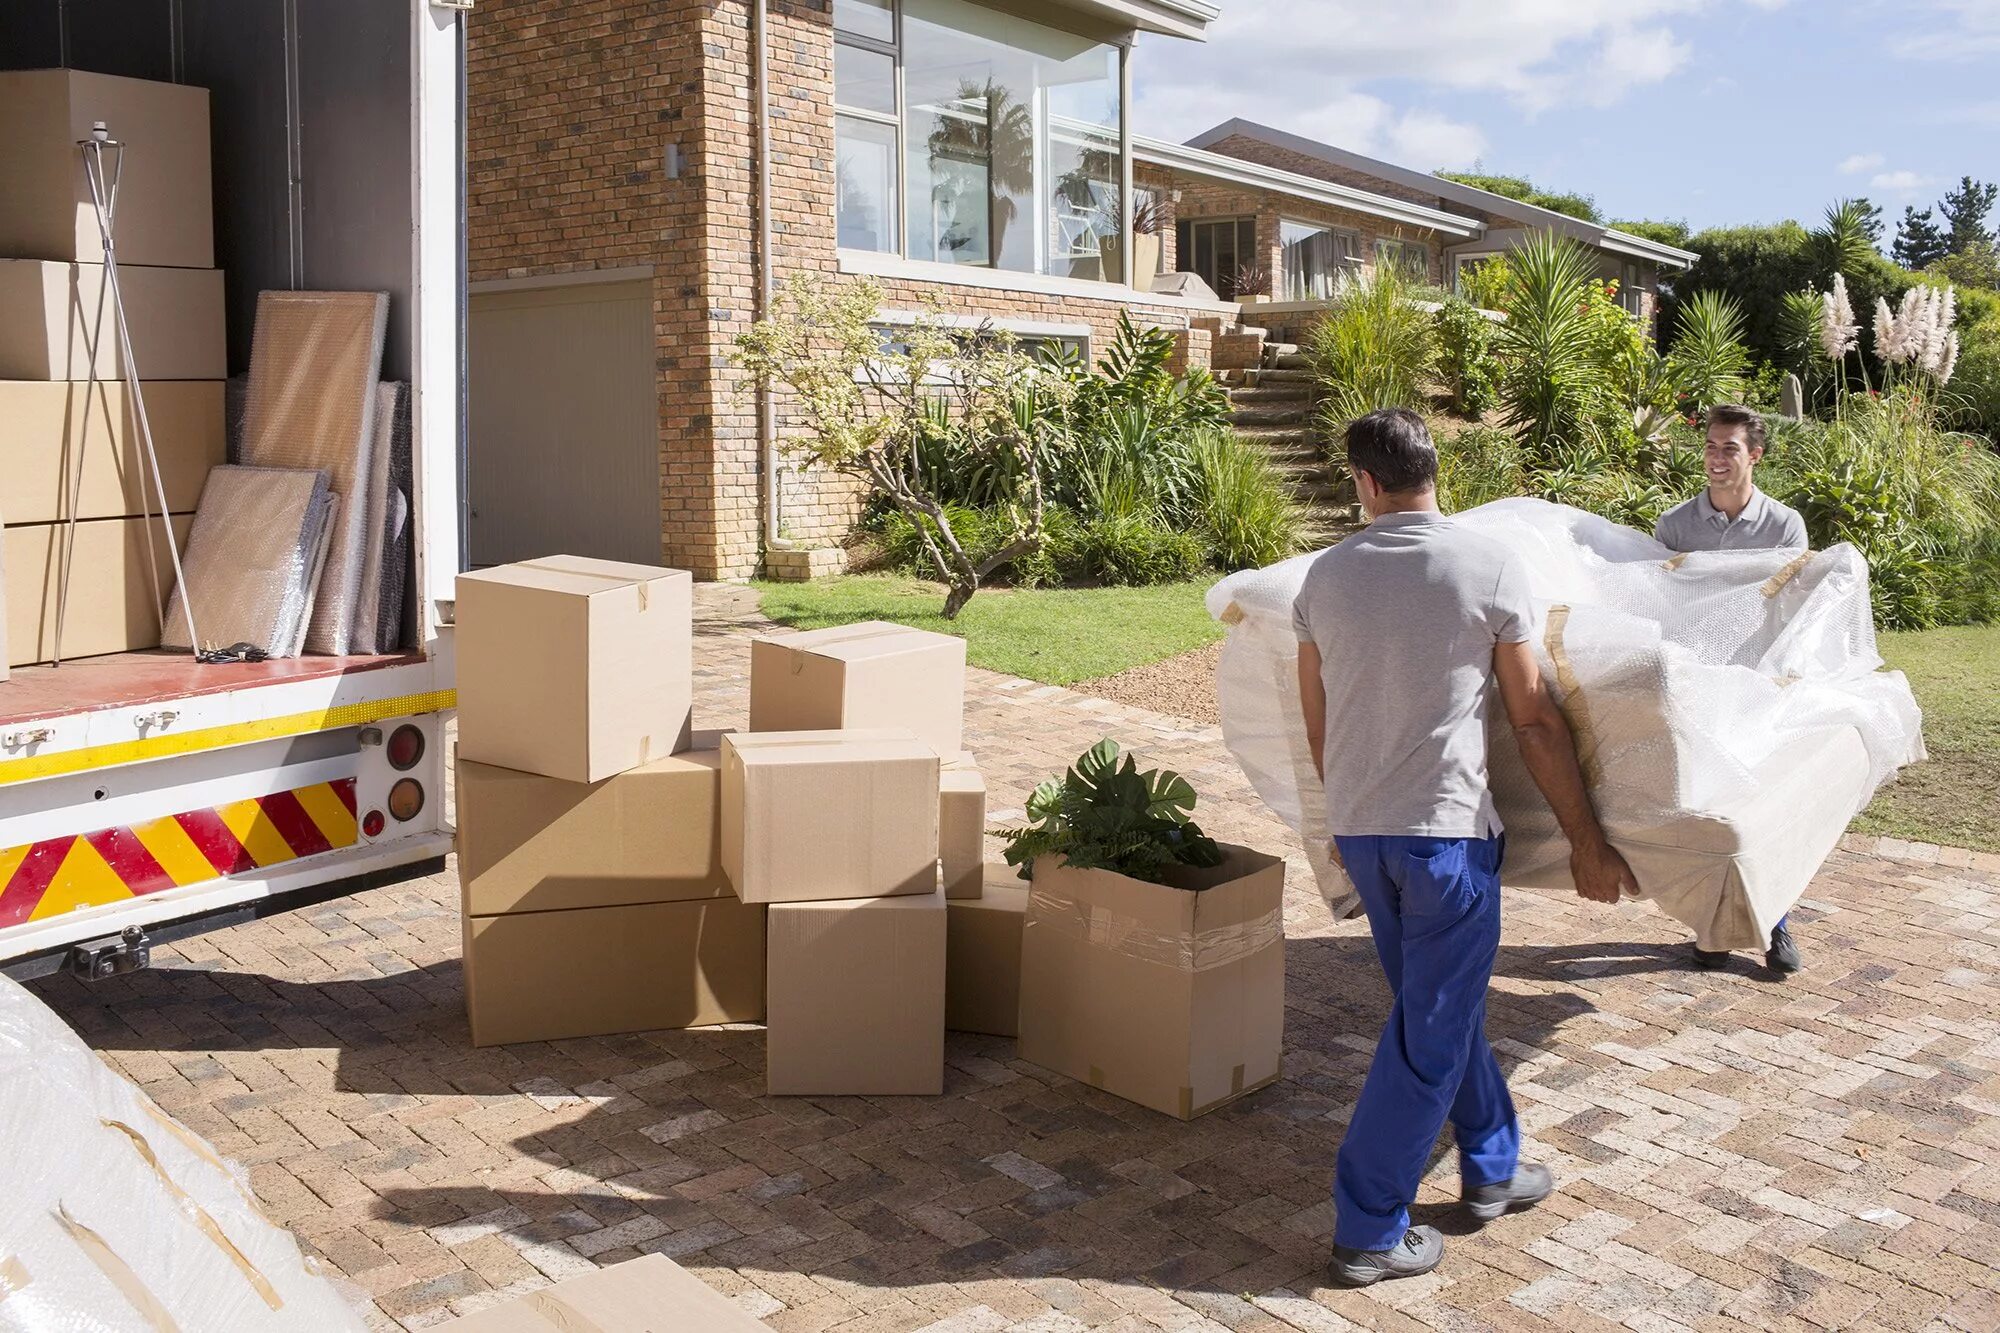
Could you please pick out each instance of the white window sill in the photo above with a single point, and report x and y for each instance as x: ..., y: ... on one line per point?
x: 868, y: 263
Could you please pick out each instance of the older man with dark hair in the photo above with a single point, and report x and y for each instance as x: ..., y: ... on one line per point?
x: 1733, y: 515
x: 1403, y: 629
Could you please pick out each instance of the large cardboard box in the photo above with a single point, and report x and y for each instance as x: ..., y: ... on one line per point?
x: 545, y: 976
x: 961, y: 830
x: 52, y: 430
x: 810, y: 816
x: 574, y: 668
x: 165, y: 204
x: 647, y: 1295
x: 1171, y: 996
x: 114, y: 607
x: 51, y: 328
x: 982, y: 969
x: 856, y: 676
x: 857, y: 998
x: 529, y: 843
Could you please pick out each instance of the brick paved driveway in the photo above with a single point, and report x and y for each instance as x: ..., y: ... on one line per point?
x: 1733, y: 1153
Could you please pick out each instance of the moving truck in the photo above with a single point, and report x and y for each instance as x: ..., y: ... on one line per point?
x: 144, y: 795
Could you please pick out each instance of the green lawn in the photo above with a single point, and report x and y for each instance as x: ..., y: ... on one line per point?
x: 1953, y: 800
x: 1056, y: 635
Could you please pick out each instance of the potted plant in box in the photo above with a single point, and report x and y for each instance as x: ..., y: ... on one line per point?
x: 1252, y: 283
x: 1152, y: 956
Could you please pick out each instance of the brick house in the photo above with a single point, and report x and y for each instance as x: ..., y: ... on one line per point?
x: 641, y: 173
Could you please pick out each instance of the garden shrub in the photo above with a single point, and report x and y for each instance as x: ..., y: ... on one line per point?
x: 1137, y: 549
x: 1476, y: 466
x: 1240, y: 504
x: 1374, y: 349
x: 1466, y: 363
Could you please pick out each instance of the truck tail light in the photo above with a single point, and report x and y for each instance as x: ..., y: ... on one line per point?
x: 373, y: 823
x: 406, y: 800
x: 406, y: 747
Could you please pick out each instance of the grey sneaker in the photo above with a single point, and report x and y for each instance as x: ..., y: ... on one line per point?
x: 1420, y: 1252
x: 1783, y: 955
x: 1530, y: 1185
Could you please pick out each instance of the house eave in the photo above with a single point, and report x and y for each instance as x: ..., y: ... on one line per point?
x: 1236, y: 171
x: 1638, y: 247
x: 1170, y: 18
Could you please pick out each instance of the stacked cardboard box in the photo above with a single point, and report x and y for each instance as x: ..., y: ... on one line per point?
x: 639, y: 1295
x: 67, y: 451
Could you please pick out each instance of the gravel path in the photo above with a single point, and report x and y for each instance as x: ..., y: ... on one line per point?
x: 1182, y: 687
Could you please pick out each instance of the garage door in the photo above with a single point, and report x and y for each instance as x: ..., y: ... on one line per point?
x: 564, y: 448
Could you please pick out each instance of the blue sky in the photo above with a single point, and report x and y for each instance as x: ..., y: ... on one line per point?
x: 1716, y: 111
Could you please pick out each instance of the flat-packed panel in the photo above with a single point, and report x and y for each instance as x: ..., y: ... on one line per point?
x: 652, y: 1294
x: 50, y: 431
x: 982, y: 972
x: 811, y: 816
x: 114, y: 606
x: 165, y: 209
x: 574, y: 668
x: 961, y: 830
x: 858, y: 676
x: 1171, y: 996
x: 55, y: 319
x: 529, y: 843
x: 857, y: 998
x: 545, y: 976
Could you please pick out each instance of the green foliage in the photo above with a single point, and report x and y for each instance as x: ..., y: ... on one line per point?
x: 1676, y: 233
x: 1709, y: 360
x: 1580, y: 206
x: 1486, y: 282
x: 1136, y: 549
x: 1374, y: 349
x: 1466, y: 363
x: 1106, y: 815
x: 1477, y: 466
x: 1977, y: 266
x: 1240, y: 505
x: 1760, y: 265
x: 1920, y: 242
x: 1846, y: 243
x: 1968, y: 212
x: 1552, y: 347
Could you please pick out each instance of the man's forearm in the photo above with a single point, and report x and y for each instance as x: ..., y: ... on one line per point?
x: 1550, y: 753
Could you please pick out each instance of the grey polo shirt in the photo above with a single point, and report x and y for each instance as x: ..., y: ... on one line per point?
x: 1764, y: 525
x: 1405, y: 615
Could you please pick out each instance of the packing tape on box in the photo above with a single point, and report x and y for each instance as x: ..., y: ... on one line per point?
x: 562, y: 1315
x: 118, y: 1271
x: 13, y: 1276
x: 199, y: 1215
x: 609, y: 580
x: 1128, y: 937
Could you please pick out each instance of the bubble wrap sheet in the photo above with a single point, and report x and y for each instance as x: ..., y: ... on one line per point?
x: 249, y: 566
x: 1730, y: 711
x: 312, y: 403
x: 379, y: 613
x: 118, y: 1217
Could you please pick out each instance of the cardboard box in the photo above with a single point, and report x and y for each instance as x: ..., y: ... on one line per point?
x: 1169, y: 996
x: 114, y: 607
x: 857, y: 998
x: 165, y: 200
x: 648, y: 1295
x: 546, y: 976
x: 51, y: 430
x: 962, y: 759
x: 982, y: 969
x: 574, y: 668
x: 961, y: 830
x: 856, y: 676
x: 50, y: 329
x: 810, y: 816
x: 529, y: 843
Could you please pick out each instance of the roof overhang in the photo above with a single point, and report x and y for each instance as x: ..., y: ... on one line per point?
x: 1171, y: 18
x: 1638, y: 247
x: 1237, y: 171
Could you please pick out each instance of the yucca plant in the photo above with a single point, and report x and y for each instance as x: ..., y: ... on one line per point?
x: 1374, y: 349
x: 1709, y: 359
x: 1553, y: 387
x: 1845, y: 242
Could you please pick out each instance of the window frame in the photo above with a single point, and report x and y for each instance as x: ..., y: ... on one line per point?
x: 1396, y: 247
x: 1341, y: 274
x: 1184, y: 261
x: 893, y: 120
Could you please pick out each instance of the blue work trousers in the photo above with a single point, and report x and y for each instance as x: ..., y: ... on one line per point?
x: 1434, y: 907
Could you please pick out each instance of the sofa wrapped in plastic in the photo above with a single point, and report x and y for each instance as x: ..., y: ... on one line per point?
x: 115, y: 1217
x: 1730, y: 709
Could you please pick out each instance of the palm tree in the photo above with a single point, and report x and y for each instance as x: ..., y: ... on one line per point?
x: 988, y: 127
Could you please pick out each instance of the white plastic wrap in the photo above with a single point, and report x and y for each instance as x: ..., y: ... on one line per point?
x: 118, y: 1218
x: 1730, y: 709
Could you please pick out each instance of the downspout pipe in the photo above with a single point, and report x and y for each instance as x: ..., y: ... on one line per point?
x: 767, y: 410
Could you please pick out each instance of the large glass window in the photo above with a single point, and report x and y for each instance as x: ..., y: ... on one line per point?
x: 1214, y: 249
x: 1317, y: 259
x: 1414, y: 259
x: 1004, y: 133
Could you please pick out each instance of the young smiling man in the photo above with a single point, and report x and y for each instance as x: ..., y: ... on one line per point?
x: 1733, y: 515
x: 1403, y: 630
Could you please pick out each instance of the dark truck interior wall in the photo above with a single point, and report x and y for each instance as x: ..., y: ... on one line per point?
x: 310, y: 125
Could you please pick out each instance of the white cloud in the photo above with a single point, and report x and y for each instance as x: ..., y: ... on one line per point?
x: 1951, y: 30
x: 1901, y: 182
x: 1860, y: 162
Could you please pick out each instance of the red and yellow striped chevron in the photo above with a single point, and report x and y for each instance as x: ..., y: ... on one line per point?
x: 58, y: 875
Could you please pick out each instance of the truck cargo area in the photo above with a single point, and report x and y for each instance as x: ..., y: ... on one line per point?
x: 126, y: 680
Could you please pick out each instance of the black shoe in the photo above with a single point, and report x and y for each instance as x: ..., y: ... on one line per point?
x: 1783, y: 955
x: 1529, y: 1186
x: 1711, y: 960
x: 1420, y: 1252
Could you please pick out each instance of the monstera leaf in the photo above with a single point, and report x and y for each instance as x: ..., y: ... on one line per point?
x: 1104, y: 814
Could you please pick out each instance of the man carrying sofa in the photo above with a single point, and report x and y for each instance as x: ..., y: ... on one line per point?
x: 1403, y: 629
x: 1733, y: 515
